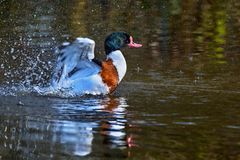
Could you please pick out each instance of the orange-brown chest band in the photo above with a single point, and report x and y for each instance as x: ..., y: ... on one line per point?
x: 109, y: 75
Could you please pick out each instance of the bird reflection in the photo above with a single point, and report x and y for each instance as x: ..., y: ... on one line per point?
x: 113, y: 129
x: 82, y: 120
x: 67, y: 127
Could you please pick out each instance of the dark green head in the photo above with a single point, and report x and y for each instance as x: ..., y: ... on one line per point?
x: 118, y: 40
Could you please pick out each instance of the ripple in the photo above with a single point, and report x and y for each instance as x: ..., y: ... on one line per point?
x: 185, y: 123
x: 233, y: 126
x: 70, y: 124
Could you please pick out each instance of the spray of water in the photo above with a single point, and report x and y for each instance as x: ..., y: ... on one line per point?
x: 24, y: 66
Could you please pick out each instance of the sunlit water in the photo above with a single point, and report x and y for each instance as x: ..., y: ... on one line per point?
x: 179, y: 99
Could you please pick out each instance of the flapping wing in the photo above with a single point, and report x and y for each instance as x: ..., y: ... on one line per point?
x: 73, y: 57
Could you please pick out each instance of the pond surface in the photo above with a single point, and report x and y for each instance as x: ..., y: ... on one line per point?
x: 179, y: 99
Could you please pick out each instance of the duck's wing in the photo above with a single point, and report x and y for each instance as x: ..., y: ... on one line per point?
x: 75, y: 60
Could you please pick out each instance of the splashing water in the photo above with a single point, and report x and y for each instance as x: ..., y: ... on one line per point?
x: 28, y: 71
x: 23, y: 67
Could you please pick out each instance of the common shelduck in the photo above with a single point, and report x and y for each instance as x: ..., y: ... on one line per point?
x: 78, y: 72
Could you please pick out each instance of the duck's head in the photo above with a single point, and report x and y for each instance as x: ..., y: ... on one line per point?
x: 117, y: 40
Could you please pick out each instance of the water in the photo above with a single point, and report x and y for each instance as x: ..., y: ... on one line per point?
x: 179, y: 99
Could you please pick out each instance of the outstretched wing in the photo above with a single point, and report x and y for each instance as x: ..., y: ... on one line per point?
x: 74, y: 57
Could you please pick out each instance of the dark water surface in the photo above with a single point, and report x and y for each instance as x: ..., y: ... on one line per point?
x: 179, y: 99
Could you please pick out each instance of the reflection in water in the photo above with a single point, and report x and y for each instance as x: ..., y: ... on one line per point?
x: 70, y: 128
x: 76, y: 137
x: 77, y: 129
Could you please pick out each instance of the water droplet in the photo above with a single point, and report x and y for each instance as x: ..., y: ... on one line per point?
x: 14, y: 57
x: 12, y: 50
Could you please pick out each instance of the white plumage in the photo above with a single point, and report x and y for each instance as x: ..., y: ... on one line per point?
x: 75, y: 72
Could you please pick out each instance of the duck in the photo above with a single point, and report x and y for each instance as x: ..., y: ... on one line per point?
x: 78, y: 72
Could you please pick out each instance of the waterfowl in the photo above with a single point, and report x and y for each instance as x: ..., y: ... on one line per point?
x: 78, y: 72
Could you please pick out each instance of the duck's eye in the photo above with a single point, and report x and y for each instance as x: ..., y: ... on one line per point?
x: 127, y: 41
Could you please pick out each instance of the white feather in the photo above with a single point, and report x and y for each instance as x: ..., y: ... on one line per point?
x: 75, y: 72
x: 119, y: 62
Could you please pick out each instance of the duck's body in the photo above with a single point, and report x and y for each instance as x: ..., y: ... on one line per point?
x: 77, y: 71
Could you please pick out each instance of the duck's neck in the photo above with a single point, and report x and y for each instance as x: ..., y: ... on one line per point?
x: 119, y: 62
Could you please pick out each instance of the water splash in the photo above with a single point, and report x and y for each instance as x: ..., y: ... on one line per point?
x: 23, y: 71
